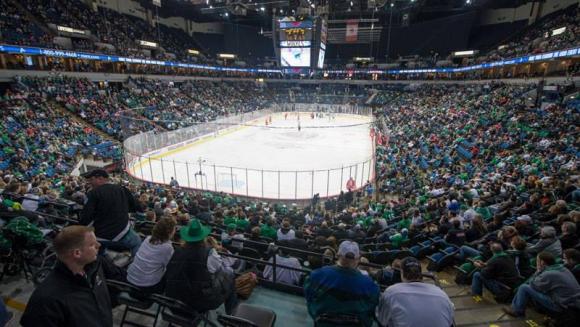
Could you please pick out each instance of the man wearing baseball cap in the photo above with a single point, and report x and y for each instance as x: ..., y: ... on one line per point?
x: 107, y: 211
x: 341, y: 289
x: 414, y: 303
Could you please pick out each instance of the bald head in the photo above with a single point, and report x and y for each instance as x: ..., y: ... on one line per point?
x: 496, y: 247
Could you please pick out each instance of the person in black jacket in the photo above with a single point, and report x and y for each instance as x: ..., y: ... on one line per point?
x: 569, y: 238
x: 456, y: 235
x: 197, y: 275
x: 572, y: 262
x: 520, y: 256
x: 75, y: 293
x: 298, y: 242
x: 499, y: 269
x: 323, y: 230
x: 107, y: 210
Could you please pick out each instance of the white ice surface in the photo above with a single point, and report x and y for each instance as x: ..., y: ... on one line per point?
x: 312, y: 160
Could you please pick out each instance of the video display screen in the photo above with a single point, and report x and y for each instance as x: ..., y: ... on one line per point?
x: 294, y: 44
x: 296, y: 34
x: 295, y: 57
x: 321, y: 58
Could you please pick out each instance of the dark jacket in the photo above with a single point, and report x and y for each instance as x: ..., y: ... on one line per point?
x: 568, y: 241
x: 575, y: 271
x: 108, y: 207
x: 188, y: 280
x: 455, y: 236
x: 296, y: 243
x: 522, y: 261
x: 64, y: 299
x: 324, y: 231
x: 502, y: 269
x: 340, y: 234
x: 472, y: 234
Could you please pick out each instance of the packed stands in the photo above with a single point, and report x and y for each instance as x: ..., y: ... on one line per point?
x: 472, y: 158
x: 468, y: 176
x: 538, y: 40
x: 115, y: 33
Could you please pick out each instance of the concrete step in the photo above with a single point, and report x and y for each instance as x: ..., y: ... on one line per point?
x: 510, y: 323
x: 455, y: 290
x: 468, y: 302
x: 480, y: 315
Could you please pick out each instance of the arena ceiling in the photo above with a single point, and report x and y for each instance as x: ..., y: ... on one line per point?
x: 260, y: 12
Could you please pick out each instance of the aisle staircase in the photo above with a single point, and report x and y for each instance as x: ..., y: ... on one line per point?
x: 372, y: 97
x: 75, y: 117
x: 139, y: 116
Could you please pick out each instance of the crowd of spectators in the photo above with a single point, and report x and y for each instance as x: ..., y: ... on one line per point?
x: 142, y: 105
x: 116, y: 33
x: 472, y: 176
x: 538, y: 40
x: 475, y: 174
x: 37, y: 139
x: 16, y: 28
x: 321, y: 93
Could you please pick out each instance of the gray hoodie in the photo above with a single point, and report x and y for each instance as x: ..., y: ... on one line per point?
x: 559, y: 284
x: 551, y: 245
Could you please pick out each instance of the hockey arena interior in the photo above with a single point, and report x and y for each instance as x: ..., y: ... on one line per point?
x: 260, y: 163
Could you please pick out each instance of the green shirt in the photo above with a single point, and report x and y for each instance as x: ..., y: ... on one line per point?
x: 242, y: 224
x: 230, y: 220
x: 397, y: 240
x: 404, y: 223
x: 268, y: 231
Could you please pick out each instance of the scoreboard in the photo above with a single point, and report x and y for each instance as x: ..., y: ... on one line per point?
x: 298, y: 42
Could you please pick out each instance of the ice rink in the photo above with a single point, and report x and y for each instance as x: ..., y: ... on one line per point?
x: 276, y: 161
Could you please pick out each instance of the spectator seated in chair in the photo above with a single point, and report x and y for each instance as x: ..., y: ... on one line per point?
x: 283, y: 275
x: 552, y: 288
x: 414, y: 303
x: 285, y: 232
x: 342, y: 288
x: 548, y: 243
x: 197, y: 275
x: 569, y: 238
x: 572, y: 262
x: 148, y: 268
x: 75, y: 293
x: 232, y: 238
x: 501, y: 268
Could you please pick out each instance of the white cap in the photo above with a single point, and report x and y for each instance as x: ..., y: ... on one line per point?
x: 349, y: 249
x: 525, y: 218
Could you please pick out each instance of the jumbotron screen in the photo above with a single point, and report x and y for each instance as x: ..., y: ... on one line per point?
x: 296, y: 34
x: 295, y: 39
x: 320, y: 63
x: 295, y: 57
